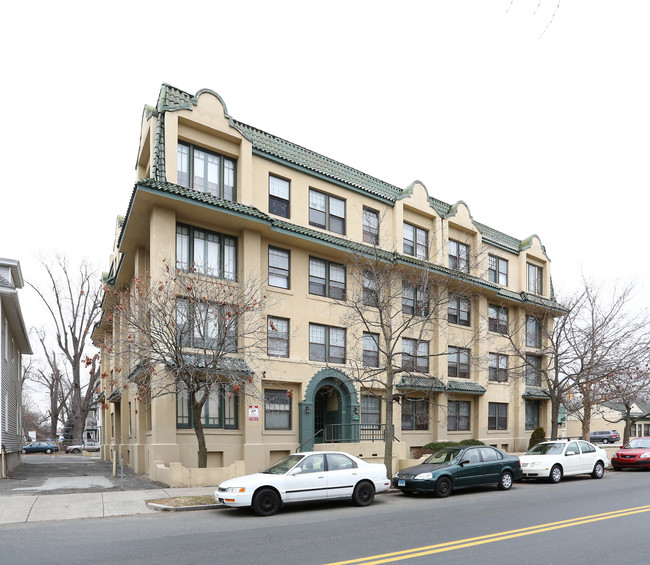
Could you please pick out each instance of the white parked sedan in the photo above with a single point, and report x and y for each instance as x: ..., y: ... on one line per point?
x: 316, y: 475
x: 554, y: 459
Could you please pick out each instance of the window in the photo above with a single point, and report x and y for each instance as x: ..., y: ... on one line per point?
x: 205, y: 252
x: 326, y: 344
x: 277, y: 410
x: 415, y: 300
x: 415, y: 414
x: 535, y: 279
x: 498, y: 319
x: 370, y: 412
x: 206, y: 172
x: 533, y: 370
x: 219, y: 411
x: 278, y: 267
x: 279, y: 191
x: 415, y: 241
x: 533, y: 332
x: 370, y: 290
x: 415, y: 356
x: 326, y: 279
x: 458, y: 256
x: 326, y: 211
x: 497, y: 270
x: 532, y: 414
x: 370, y: 226
x: 497, y: 416
x: 206, y: 326
x: 277, y: 337
x: 458, y: 362
x: 370, y: 349
x: 458, y: 415
x: 498, y: 368
x: 458, y: 311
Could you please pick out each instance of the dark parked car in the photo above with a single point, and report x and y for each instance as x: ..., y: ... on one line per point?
x: 459, y: 467
x: 605, y: 436
x: 634, y: 455
x: 40, y: 447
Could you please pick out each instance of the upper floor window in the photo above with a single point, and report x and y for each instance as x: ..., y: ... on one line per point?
x: 326, y: 211
x: 498, y: 319
x: 497, y: 416
x: 370, y: 290
x: 204, y: 325
x: 533, y: 370
x: 416, y: 241
x: 279, y: 192
x: 205, y: 252
x: 415, y: 414
x: 497, y: 270
x: 278, y: 267
x: 219, y: 411
x: 458, y: 256
x: 370, y: 226
x: 535, y: 279
x: 458, y: 415
x: 277, y: 337
x: 277, y: 410
x: 370, y: 349
x: 326, y: 278
x: 458, y: 362
x: 498, y: 368
x: 206, y: 172
x: 458, y: 310
x: 370, y: 412
x: 415, y: 356
x: 326, y: 344
x: 415, y: 300
x: 533, y: 332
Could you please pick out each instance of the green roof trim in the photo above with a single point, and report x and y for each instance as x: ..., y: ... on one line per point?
x: 535, y: 393
x: 465, y: 387
x: 412, y: 382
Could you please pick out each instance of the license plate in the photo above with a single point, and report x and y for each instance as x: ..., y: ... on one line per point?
x: 401, y: 483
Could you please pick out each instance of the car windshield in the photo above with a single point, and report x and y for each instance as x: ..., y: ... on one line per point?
x: 639, y: 443
x: 444, y: 456
x: 546, y: 449
x: 282, y: 466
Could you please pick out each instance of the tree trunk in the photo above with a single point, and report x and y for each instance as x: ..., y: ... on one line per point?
x: 389, y: 434
x: 628, y: 425
x: 586, y: 420
x: 198, y: 431
x: 555, y: 413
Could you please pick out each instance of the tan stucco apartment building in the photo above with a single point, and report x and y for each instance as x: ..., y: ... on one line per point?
x: 293, y: 216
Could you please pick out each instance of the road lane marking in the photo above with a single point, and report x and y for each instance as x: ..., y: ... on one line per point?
x: 500, y: 536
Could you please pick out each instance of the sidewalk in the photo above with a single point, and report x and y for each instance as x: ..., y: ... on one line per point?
x: 16, y: 509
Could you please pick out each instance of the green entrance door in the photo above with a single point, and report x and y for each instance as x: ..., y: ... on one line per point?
x: 327, y: 415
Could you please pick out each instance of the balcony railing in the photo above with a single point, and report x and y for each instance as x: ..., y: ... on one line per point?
x: 354, y: 433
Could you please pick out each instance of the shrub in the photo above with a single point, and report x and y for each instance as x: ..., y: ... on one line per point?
x: 537, y: 436
x: 438, y: 445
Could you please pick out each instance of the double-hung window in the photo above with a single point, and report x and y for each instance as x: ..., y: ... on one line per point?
x: 370, y: 226
x: 279, y: 196
x: 415, y: 241
x: 326, y: 344
x: 533, y: 370
x: 532, y: 414
x: 458, y: 415
x: 498, y: 368
x: 458, y: 310
x: 415, y: 300
x: 497, y: 416
x: 206, y: 172
x: 458, y: 256
x: 370, y: 349
x: 277, y: 337
x: 415, y: 356
x: 205, y: 325
x: 458, y: 362
x: 277, y: 410
x: 326, y: 211
x: 370, y: 412
x: 206, y: 252
x: 326, y: 278
x: 278, y: 267
x: 220, y: 409
x: 415, y: 414
x: 535, y: 279
x: 498, y: 319
x: 497, y: 270
x: 370, y: 290
x: 533, y: 332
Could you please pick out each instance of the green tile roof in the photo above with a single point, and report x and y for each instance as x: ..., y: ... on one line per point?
x: 412, y: 382
x: 465, y: 387
x: 535, y: 393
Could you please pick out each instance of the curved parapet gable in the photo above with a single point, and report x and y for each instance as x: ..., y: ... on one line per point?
x: 533, y: 246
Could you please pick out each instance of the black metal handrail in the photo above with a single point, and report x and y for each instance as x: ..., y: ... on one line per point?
x: 354, y: 433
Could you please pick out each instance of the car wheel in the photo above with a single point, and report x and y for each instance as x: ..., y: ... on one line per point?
x: 556, y: 474
x: 76, y: 451
x: 24, y: 452
x: 443, y: 487
x: 48, y: 451
x: 505, y: 481
x: 364, y: 494
x: 605, y: 440
x: 266, y: 502
x: 599, y: 470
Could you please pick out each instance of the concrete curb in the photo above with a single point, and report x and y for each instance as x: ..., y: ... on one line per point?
x: 166, y: 508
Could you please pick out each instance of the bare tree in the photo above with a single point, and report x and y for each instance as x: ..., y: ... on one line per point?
x: 189, y: 334
x: 73, y: 302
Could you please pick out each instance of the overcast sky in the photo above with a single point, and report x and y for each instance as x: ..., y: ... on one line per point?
x: 540, y: 122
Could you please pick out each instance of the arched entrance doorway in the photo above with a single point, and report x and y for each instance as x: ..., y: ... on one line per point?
x: 328, y: 410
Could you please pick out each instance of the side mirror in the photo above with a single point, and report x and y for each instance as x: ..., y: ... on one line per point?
x: 463, y: 462
x: 296, y: 471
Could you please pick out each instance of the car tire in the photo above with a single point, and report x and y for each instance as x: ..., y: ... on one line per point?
x: 555, y: 476
x: 48, y: 451
x: 24, y: 452
x: 605, y: 440
x: 443, y: 487
x: 364, y: 494
x: 505, y: 480
x: 266, y: 502
x: 599, y: 470
x: 76, y: 451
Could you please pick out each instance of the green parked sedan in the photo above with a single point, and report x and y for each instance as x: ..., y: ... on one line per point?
x: 459, y: 467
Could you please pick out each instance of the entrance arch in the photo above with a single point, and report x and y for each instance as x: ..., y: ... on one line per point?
x: 331, y: 405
